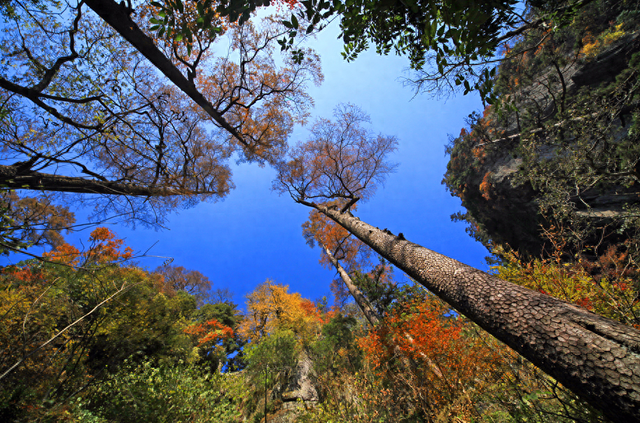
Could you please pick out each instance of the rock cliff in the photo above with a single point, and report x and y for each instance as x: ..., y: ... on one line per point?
x: 559, y: 148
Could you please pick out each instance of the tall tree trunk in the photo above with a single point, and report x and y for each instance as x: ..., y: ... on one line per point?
x: 597, y: 358
x: 357, y: 295
x: 12, y: 177
x: 374, y: 318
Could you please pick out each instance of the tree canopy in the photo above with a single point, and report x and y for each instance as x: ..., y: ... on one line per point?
x: 85, y: 111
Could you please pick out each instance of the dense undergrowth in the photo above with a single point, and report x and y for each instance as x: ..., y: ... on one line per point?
x: 160, y: 350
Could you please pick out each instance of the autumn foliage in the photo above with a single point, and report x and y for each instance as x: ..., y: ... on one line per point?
x: 448, y: 360
x: 606, y: 286
x: 75, y: 318
x: 209, y: 333
x: 105, y: 248
x: 321, y: 230
x: 270, y: 307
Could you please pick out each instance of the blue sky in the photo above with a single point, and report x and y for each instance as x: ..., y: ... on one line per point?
x: 254, y: 234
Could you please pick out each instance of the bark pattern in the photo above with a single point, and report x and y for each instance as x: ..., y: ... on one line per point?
x: 12, y: 177
x: 595, y: 357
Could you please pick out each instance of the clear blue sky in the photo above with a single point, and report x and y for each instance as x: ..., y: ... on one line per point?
x: 254, y: 234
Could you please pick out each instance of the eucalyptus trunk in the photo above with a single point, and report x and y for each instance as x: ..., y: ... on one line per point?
x: 595, y: 357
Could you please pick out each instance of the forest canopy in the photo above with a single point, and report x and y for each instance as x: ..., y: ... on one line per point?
x: 131, y: 111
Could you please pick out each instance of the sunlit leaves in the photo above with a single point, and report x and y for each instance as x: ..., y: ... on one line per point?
x: 209, y: 333
x: 52, y: 312
x: 607, y: 286
x: 150, y: 392
x: 271, y: 307
x: 29, y: 221
x: 449, y: 362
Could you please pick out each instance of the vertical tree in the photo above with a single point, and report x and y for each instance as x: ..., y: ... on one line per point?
x: 595, y: 357
x: 336, y: 242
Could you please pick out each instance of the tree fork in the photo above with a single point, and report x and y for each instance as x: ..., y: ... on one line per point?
x: 595, y: 357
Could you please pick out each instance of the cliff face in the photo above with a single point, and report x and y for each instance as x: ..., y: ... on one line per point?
x: 559, y: 150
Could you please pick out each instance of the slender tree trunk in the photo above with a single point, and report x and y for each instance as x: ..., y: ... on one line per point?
x: 357, y: 295
x: 11, y: 177
x: 374, y: 318
x: 597, y: 358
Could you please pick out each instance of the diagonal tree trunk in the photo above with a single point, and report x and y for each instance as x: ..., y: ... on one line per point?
x: 11, y: 177
x: 119, y: 18
x: 597, y: 358
x: 357, y: 295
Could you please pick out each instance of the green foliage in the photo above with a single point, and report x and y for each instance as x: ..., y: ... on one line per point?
x: 271, y: 361
x: 567, y: 155
x: 75, y: 319
x: 378, y: 287
x: 147, y: 392
x: 607, y: 287
x: 273, y: 358
x: 457, y: 40
x: 228, y: 315
x: 336, y: 350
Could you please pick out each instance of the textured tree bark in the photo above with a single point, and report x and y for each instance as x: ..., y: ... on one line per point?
x: 10, y: 177
x: 597, y: 358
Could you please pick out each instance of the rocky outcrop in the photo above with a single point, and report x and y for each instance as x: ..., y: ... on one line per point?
x: 287, y: 401
x: 301, y: 385
x: 508, y: 212
x: 608, y: 64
